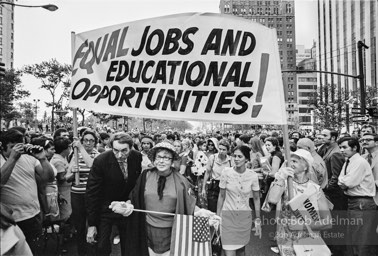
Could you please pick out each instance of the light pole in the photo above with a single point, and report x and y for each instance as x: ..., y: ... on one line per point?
x: 36, y: 107
x: 49, y: 7
x: 361, y: 77
x: 36, y: 112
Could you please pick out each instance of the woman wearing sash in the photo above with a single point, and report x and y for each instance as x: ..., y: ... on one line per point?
x: 290, y: 227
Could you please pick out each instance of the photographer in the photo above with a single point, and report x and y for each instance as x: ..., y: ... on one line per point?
x: 19, y: 175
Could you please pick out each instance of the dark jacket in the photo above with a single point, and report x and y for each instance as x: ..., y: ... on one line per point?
x: 106, y: 184
x: 136, y: 243
x: 334, y: 161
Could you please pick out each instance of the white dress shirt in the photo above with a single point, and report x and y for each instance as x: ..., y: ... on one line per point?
x: 374, y: 167
x: 358, y: 177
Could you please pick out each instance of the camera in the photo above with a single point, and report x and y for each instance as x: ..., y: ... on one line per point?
x: 32, y: 149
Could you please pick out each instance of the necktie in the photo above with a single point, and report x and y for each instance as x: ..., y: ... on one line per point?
x: 370, y: 159
x: 123, y: 166
x: 346, y: 166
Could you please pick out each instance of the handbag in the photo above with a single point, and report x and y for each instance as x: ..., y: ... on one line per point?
x: 216, y: 245
x: 276, y: 190
x: 312, y: 245
x: 52, y: 200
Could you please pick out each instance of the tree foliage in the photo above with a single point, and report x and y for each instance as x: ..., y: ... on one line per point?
x: 333, y: 111
x: 27, y: 113
x: 11, y: 90
x: 53, y: 76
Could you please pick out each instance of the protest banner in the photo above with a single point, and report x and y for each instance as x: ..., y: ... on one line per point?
x: 192, y: 66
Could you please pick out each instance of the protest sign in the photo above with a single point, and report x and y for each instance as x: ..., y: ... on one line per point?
x: 192, y: 66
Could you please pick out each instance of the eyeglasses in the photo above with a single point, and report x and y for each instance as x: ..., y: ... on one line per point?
x: 212, y: 145
x: 365, y: 140
x: 164, y: 158
x: 122, y: 151
x: 89, y: 141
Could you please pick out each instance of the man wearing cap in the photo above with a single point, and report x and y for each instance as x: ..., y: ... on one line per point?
x: 112, y: 177
x: 147, y: 143
x: 356, y: 180
x: 318, y: 173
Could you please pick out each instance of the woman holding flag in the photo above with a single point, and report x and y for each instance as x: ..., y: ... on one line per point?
x: 160, y: 194
x: 307, y: 211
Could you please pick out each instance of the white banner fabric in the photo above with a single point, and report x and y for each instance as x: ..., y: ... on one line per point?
x: 191, y: 66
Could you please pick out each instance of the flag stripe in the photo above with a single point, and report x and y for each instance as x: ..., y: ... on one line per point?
x: 185, y: 234
x: 190, y: 238
x: 177, y: 239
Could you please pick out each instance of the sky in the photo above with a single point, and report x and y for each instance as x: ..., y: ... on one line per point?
x: 41, y: 35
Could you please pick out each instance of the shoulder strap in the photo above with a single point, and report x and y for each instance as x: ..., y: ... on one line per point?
x: 213, y: 162
x: 212, y: 166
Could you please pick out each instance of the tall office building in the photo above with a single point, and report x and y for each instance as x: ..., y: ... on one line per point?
x: 302, y: 53
x: 341, y: 24
x: 307, y: 86
x: 279, y: 15
x: 7, y: 33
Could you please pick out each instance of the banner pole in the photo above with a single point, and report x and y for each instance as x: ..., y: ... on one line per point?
x: 74, y: 117
x: 287, y: 157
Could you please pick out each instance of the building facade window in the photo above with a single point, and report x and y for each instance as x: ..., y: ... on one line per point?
x: 289, y: 8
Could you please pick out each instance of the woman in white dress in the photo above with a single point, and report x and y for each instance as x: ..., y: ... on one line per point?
x: 236, y: 185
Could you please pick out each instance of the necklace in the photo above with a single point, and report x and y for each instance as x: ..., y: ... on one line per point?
x: 301, y: 182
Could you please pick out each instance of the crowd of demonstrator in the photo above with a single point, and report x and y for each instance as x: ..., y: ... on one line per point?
x: 93, y: 196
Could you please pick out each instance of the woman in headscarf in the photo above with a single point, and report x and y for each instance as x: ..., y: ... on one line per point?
x: 212, y: 147
x: 160, y: 189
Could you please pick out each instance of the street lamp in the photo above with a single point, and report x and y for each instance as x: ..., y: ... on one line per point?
x: 50, y: 7
x: 36, y: 113
x: 36, y: 108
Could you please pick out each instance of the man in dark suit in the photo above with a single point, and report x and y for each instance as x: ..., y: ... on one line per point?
x: 112, y: 177
x: 334, y: 161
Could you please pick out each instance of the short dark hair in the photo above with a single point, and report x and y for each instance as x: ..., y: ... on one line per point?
x: 122, y: 138
x: 245, y: 138
x: 200, y: 143
x: 104, y: 136
x: 170, y: 136
x: 245, y: 151
x: 352, y: 142
x: 372, y: 134
x: 58, y: 132
x: 263, y: 136
x: 19, y: 128
x: 368, y: 126
x: 11, y: 136
x: 43, y: 142
x: 333, y: 133
x: 61, y: 144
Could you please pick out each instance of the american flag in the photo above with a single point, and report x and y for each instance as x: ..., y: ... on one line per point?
x: 190, y: 236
